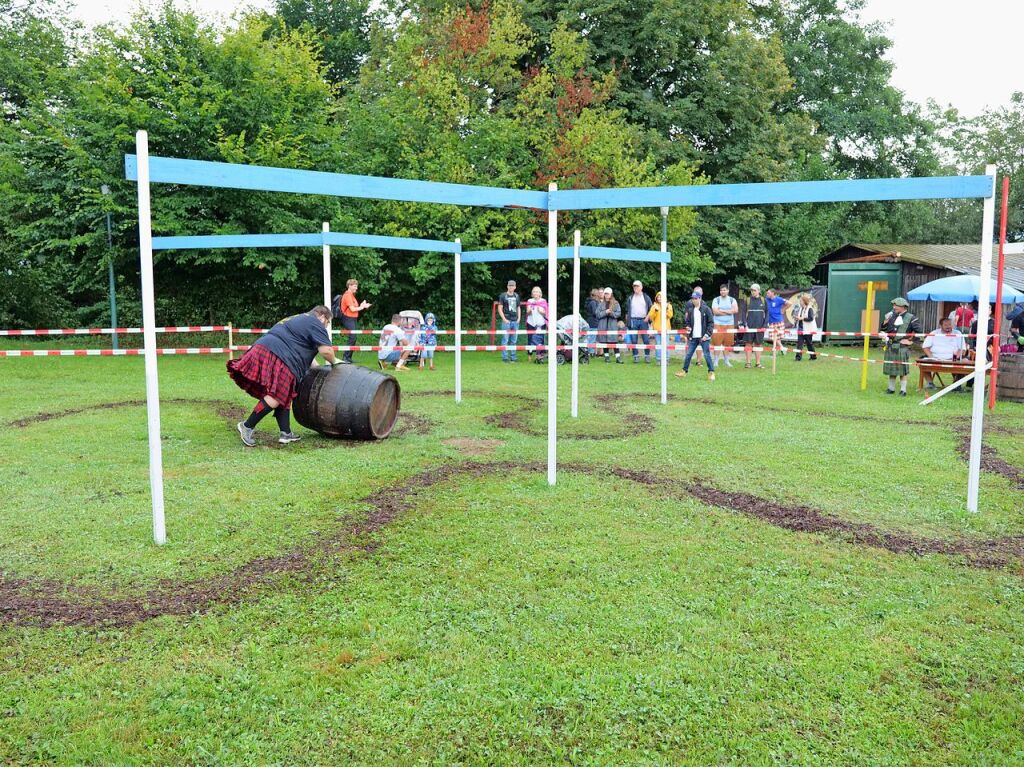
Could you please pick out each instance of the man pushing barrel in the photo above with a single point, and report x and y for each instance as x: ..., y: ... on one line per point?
x: 272, y: 368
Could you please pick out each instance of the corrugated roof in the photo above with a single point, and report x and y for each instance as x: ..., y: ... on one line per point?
x: 963, y: 259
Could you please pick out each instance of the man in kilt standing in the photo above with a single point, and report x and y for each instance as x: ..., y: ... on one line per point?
x: 271, y: 369
x: 897, y: 347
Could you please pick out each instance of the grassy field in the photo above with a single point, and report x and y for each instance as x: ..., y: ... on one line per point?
x: 769, y: 570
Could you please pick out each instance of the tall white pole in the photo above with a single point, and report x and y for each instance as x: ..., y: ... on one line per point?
x: 156, y: 461
x: 981, y: 358
x: 575, y: 407
x: 552, y: 337
x: 327, y: 273
x: 458, y: 320
x: 664, y: 302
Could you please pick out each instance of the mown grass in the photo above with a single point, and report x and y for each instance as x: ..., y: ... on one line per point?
x: 501, y: 621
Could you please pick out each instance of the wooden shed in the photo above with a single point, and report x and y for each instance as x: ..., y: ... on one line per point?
x: 917, y: 264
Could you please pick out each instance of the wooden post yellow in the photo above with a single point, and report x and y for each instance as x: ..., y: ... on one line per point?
x: 869, y: 312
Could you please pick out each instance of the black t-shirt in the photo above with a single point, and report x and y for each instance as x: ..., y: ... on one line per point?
x: 757, y: 313
x: 509, y: 305
x: 295, y: 341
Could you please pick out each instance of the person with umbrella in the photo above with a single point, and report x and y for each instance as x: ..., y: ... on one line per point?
x: 900, y: 327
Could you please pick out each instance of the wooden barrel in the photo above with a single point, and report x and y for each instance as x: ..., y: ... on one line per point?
x: 1010, y: 382
x: 348, y: 401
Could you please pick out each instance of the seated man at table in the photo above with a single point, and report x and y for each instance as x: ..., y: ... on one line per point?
x: 943, y: 345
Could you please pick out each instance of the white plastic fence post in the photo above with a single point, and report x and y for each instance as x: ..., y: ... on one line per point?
x: 327, y: 273
x: 664, y: 301
x: 458, y: 320
x: 575, y: 407
x: 981, y: 342
x: 156, y: 462
x: 552, y: 337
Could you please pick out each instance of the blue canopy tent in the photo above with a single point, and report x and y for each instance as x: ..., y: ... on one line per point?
x: 146, y: 170
x: 962, y: 287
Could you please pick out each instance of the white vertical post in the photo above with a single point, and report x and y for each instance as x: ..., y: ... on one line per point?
x: 981, y: 342
x: 664, y: 302
x: 458, y: 320
x: 575, y: 407
x: 327, y: 273
x: 156, y: 461
x: 552, y: 335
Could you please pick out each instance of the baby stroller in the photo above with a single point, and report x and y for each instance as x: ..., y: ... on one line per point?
x: 563, y: 332
x: 411, y: 321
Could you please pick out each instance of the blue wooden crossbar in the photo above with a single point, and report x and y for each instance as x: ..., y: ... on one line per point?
x: 205, y: 242
x: 388, y: 243
x: 930, y: 188
x: 169, y: 170
x: 232, y: 176
x: 586, y: 251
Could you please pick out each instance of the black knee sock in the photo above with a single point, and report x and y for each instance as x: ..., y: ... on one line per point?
x: 258, y: 414
x: 284, y: 423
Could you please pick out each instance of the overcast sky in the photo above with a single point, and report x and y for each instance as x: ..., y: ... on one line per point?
x: 958, y: 52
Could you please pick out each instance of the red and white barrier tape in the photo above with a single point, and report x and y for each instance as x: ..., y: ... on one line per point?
x: 112, y: 331
x: 467, y: 332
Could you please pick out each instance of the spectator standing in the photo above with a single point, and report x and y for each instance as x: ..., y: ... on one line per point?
x: 963, y: 316
x: 510, y: 311
x: 698, y: 323
x: 699, y: 356
x: 536, y: 318
x: 347, y: 309
x: 755, y: 323
x: 724, y: 308
x: 776, y: 319
x: 590, y: 310
x: 991, y: 333
x: 639, y: 306
x: 1017, y: 330
x: 806, y: 327
x: 428, y: 339
x: 943, y: 345
x: 608, y: 323
x: 656, y: 325
x: 394, y: 345
x: 900, y: 326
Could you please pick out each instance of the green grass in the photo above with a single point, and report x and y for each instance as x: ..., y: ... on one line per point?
x: 501, y: 621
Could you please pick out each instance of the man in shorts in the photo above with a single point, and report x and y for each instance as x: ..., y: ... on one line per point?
x: 776, y: 319
x: 724, y: 308
x: 755, y: 323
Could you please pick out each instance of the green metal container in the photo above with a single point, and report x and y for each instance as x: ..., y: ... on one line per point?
x: 847, y: 292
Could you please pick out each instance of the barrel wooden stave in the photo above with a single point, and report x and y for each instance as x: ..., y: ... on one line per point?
x: 1010, y: 381
x: 348, y: 401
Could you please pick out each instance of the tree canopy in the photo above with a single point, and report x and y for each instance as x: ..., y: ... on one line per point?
x: 499, y: 92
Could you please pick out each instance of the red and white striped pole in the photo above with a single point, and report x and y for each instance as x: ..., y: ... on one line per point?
x: 999, y: 293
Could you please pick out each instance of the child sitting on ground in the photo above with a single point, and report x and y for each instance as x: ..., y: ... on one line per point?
x: 428, y: 339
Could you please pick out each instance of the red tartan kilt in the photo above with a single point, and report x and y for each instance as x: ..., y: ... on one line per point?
x: 261, y: 373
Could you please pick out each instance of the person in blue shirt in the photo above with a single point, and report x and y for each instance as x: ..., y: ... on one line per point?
x: 776, y: 319
x: 428, y: 339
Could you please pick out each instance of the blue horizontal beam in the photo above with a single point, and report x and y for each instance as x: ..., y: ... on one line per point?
x: 210, y: 241
x: 931, y: 188
x: 388, y: 243
x: 586, y: 251
x: 513, y: 254
x: 625, y: 254
x: 169, y: 170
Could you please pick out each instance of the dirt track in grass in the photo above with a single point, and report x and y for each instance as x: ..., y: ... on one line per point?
x: 42, y: 602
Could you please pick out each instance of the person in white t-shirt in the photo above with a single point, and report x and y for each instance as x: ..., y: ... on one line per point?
x: 394, y: 345
x: 943, y: 345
